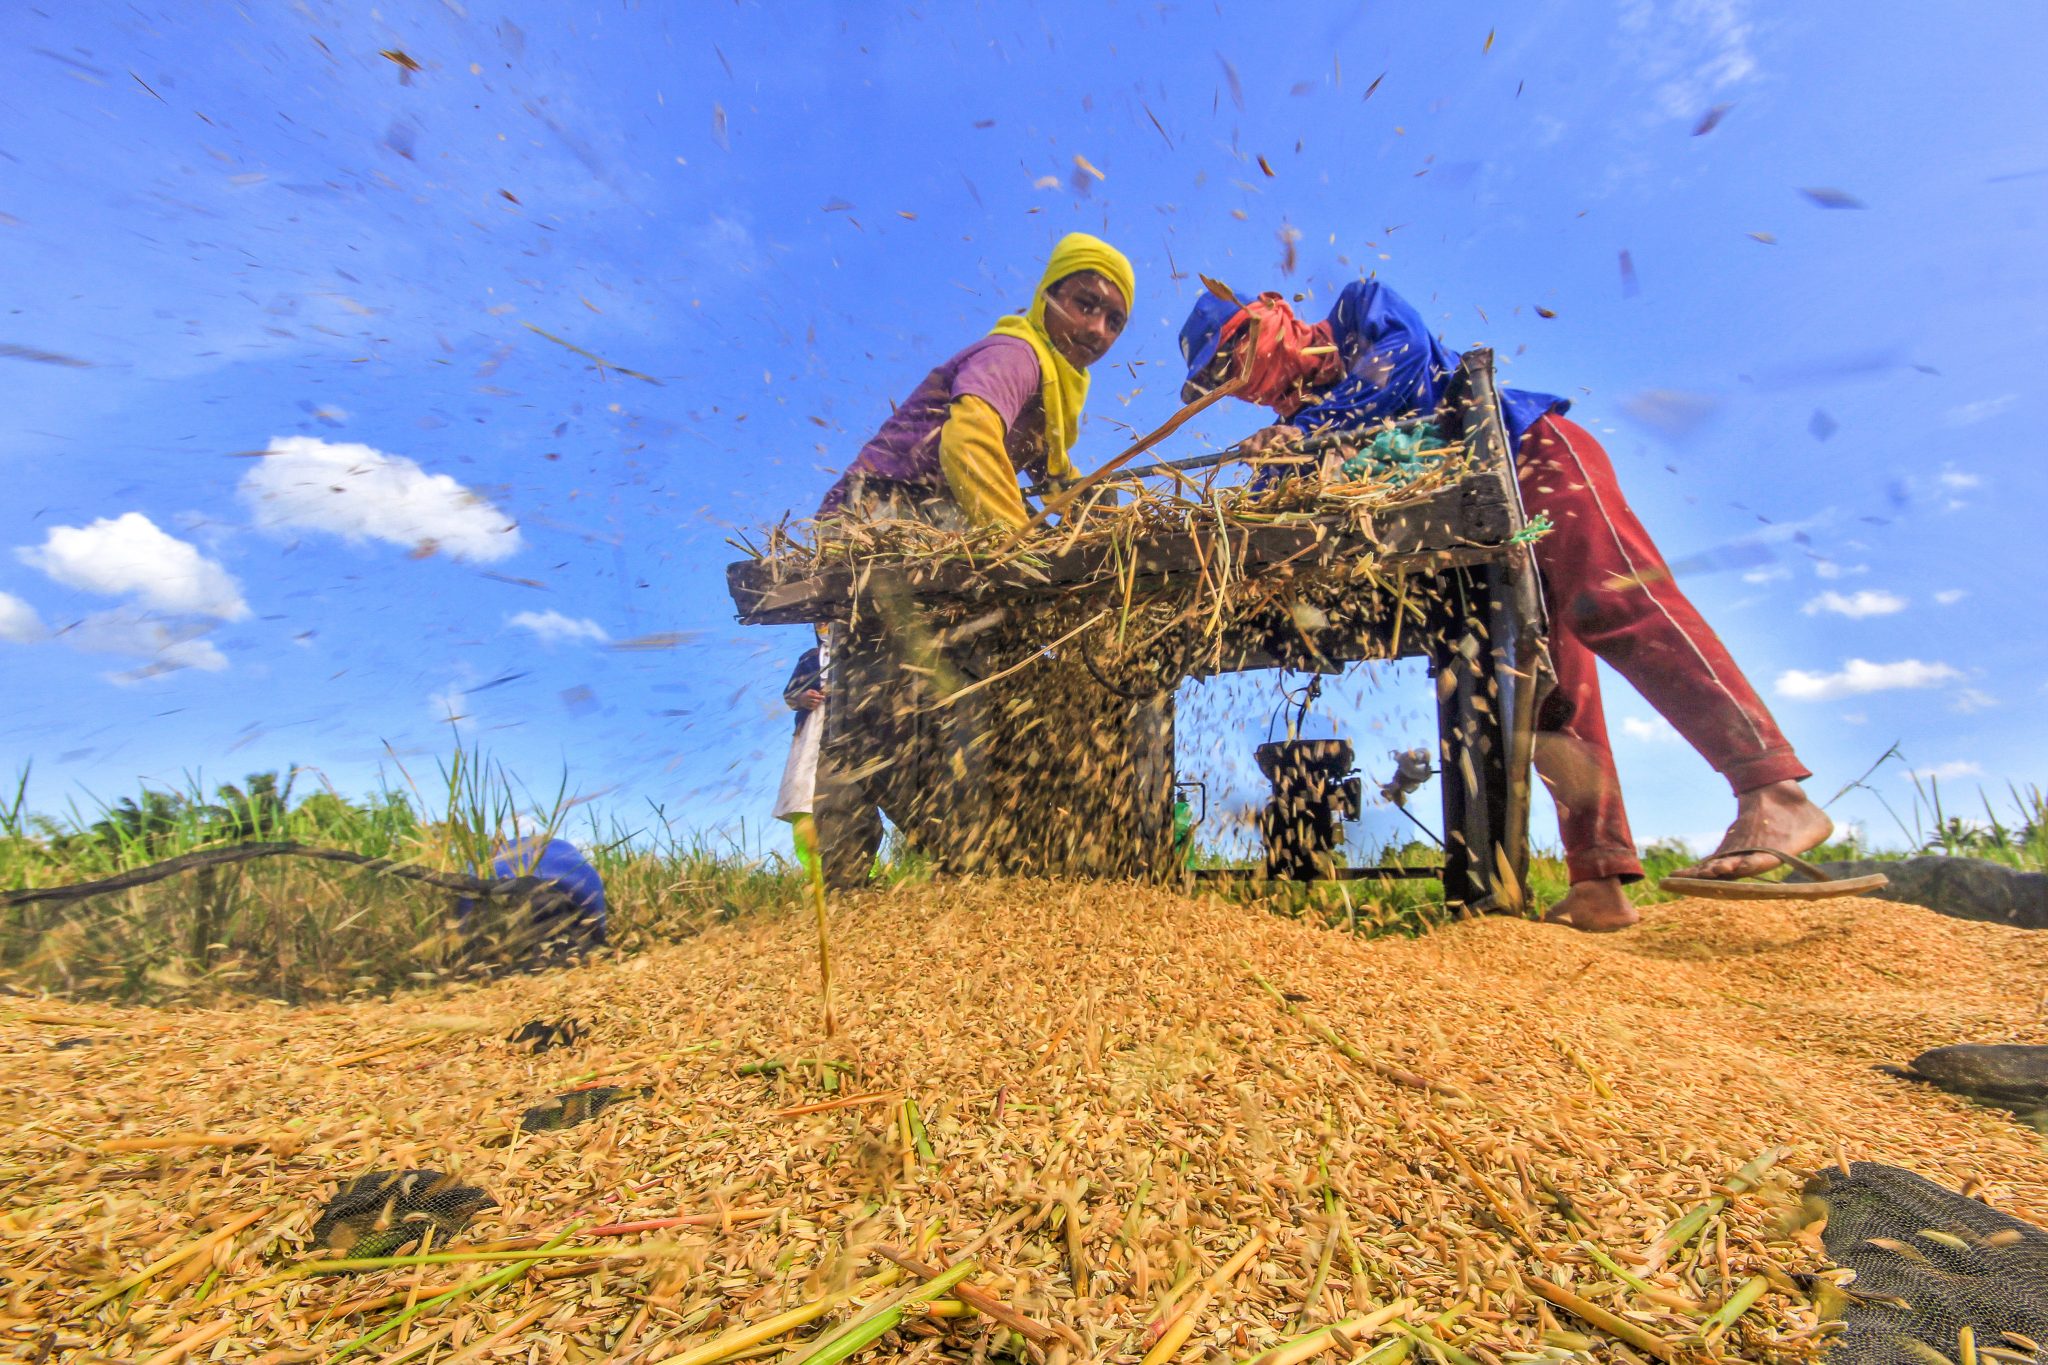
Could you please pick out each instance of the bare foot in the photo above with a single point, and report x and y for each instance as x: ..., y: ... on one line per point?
x: 1596, y: 907
x: 1778, y: 816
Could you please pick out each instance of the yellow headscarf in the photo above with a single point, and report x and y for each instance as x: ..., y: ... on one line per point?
x: 1063, y: 388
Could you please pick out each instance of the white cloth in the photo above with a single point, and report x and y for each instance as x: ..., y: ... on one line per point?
x: 800, y: 773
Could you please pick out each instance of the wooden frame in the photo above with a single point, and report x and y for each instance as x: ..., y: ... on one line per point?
x: 1482, y: 632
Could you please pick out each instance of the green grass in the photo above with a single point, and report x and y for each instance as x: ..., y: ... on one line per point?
x: 2014, y: 834
x: 295, y: 930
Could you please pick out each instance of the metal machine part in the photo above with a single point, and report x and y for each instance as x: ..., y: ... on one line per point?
x: 1186, y: 817
x: 1411, y: 769
x: 1315, y: 789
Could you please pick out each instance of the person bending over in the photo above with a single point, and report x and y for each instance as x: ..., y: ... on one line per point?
x: 1609, y: 593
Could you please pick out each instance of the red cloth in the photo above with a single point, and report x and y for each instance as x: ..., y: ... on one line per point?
x: 1612, y: 597
x: 1279, y: 370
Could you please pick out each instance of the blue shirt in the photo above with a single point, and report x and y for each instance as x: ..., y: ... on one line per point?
x: 1395, y: 367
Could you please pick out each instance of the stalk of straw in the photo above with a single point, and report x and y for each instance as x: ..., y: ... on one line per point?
x: 1637, y: 1282
x: 980, y: 1300
x: 814, y: 878
x: 553, y: 1250
x: 1435, y: 1344
x: 1345, y: 1333
x: 510, y: 1329
x: 1740, y: 1302
x: 482, y: 1282
x: 1501, y: 1209
x: 825, y: 1106
x: 1572, y: 1055
x: 171, y: 1142
x: 865, y: 1330
x: 1594, y: 1315
x: 1165, y: 1312
x: 1316, y: 1282
x: 621, y: 1068
x: 163, y: 1263
x: 913, y: 1123
x: 1694, y: 1220
x: 1176, y: 1332
x: 746, y: 1338
x: 192, y: 1341
x: 687, y: 1220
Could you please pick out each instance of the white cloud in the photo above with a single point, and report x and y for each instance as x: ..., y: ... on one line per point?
x: 1856, y: 605
x: 129, y: 554
x: 1945, y: 772
x: 1948, y: 597
x: 359, y: 493
x: 554, y: 628
x: 1654, y: 731
x: 167, y: 646
x: 1776, y: 573
x: 1970, y: 700
x: 1859, y: 676
x: 1982, y: 410
x: 726, y: 246
x: 19, y: 623
x: 1829, y: 569
x: 1690, y: 50
x: 448, y: 705
x: 1951, y: 477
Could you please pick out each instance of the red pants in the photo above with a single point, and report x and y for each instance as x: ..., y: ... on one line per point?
x: 1611, y: 597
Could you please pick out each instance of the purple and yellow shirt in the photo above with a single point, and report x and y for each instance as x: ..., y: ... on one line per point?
x: 1002, y: 371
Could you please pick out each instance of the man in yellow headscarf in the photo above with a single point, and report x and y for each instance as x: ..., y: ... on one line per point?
x: 1009, y: 404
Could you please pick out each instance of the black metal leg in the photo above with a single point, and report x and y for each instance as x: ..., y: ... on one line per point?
x: 1480, y: 849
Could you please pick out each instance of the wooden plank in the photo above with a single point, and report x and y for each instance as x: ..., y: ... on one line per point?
x: 1467, y: 523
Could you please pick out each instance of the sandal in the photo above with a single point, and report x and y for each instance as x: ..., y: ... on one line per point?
x: 1813, y: 885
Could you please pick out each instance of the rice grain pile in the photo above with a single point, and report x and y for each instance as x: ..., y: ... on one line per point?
x: 1140, y: 1126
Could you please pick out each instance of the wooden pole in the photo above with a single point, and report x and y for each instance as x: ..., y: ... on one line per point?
x: 1059, y: 502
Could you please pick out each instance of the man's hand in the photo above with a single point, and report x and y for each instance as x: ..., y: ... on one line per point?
x: 809, y: 700
x: 1271, y: 440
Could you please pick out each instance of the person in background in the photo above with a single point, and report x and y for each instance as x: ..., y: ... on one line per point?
x: 558, y: 917
x: 951, y: 455
x: 1609, y: 593
x: 805, y: 695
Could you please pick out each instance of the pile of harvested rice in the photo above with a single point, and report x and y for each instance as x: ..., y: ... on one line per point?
x: 1476, y: 1140
x: 1125, y: 509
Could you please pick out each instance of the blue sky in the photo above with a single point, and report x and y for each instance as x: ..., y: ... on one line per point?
x: 236, y: 230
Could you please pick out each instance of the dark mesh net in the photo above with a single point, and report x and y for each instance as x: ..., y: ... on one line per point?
x: 384, y: 1212
x: 1929, y: 1262
x: 578, y: 1106
x: 543, y: 1035
x: 2012, y: 1076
